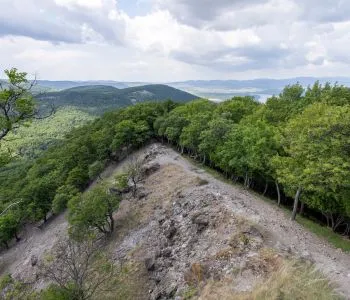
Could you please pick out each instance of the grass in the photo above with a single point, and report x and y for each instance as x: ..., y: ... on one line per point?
x: 326, y: 233
x: 294, y: 280
x: 291, y: 280
x: 321, y: 231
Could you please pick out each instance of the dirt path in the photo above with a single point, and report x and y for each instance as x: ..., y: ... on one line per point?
x: 285, y: 234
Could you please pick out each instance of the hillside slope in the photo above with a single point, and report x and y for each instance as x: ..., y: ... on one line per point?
x: 190, y: 235
x: 67, y: 84
x: 100, y: 98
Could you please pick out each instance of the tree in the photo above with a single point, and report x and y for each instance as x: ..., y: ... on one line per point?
x: 78, y: 270
x: 121, y: 181
x: 78, y: 177
x: 95, y: 169
x: 17, y: 105
x: 317, y: 147
x: 62, y: 196
x: 38, y: 196
x: 236, y: 108
x: 134, y: 171
x: 213, y: 137
x: 93, y: 211
x: 129, y: 133
x: 190, y: 136
x: 8, y: 228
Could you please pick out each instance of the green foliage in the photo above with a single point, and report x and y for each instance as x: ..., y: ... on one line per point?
x: 11, y: 289
x: 62, y: 196
x: 8, y: 227
x: 121, y: 181
x: 16, y: 102
x: 48, y: 182
x: 93, y: 210
x: 236, y: 108
x: 54, y: 292
x: 95, y: 169
x: 29, y: 141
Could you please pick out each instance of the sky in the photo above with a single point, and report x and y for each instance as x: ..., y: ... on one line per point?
x: 175, y: 40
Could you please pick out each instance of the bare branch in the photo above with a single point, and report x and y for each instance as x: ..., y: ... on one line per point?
x: 11, y: 205
x: 79, y: 268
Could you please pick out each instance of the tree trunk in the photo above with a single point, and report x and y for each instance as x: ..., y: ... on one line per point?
x: 301, y: 211
x: 17, y: 237
x: 278, y: 193
x: 266, y: 187
x: 246, y: 179
x: 296, y: 202
x: 111, y: 224
x: 250, y: 182
x: 337, y: 223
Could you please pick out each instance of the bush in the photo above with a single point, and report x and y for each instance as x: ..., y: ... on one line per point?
x: 121, y: 181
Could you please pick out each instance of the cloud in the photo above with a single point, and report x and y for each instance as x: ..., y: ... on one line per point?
x: 58, y: 21
x: 201, y: 12
x: 202, y: 38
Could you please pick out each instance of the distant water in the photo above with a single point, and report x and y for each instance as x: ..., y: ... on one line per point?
x: 263, y: 97
x: 260, y: 97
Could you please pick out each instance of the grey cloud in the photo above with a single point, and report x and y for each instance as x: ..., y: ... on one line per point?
x: 231, y: 14
x: 200, y: 13
x: 44, y: 20
x: 326, y: 11
x: 253, y: 58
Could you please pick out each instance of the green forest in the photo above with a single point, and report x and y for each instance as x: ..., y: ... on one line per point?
x: 294, y: 148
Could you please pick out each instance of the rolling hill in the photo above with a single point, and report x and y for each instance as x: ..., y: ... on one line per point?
x: 66, y: 84
x: 100, y: 98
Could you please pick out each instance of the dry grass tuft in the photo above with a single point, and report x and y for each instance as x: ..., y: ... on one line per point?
x: 265, y: 262
x: 195, y: 275
x: 294, y: 280
x: 130, y: 283
x: 291, y: 280
x: 200, y: 181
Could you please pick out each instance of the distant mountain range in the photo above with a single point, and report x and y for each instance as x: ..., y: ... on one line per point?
x: 62, y: 85
x: 100, y: 98
x: 212, y: 89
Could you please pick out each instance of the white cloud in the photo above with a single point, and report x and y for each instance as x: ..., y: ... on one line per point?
x: 92, y: 4
x: 183, y: 38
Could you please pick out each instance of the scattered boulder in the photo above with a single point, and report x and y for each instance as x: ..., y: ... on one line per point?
x: 166, y: 252
x: 201, y: 220
x: 170, y: 232
x: 150, y: 264
x: 169, y: 229
x: 149, y: 169
x: 33, y: 260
